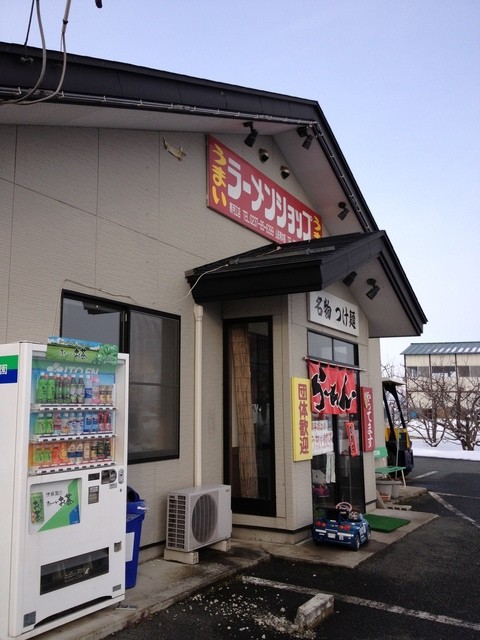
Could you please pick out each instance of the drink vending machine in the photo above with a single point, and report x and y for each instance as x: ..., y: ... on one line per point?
x: 63, y: 423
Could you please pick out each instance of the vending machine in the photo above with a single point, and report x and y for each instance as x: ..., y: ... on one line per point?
x: 63, y: 448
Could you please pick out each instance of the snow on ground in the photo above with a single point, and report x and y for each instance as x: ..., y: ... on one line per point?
x: 444, y: 450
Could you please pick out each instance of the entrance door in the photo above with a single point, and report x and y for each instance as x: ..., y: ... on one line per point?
x: 249, y: 428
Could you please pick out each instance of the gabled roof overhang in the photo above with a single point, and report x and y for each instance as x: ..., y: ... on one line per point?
x: 106, y: 94
x: 314, y: 265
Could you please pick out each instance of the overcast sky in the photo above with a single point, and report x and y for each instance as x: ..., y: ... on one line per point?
x: 398, y: 81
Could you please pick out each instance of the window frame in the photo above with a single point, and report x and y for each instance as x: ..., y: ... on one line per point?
x: 335, y: 345
x: 124, y: 346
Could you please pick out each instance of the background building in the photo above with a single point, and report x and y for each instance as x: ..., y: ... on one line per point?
x: 443, y: 390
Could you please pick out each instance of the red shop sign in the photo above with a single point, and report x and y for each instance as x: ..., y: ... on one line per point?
x: 368, y: 427
x: 237, y: 189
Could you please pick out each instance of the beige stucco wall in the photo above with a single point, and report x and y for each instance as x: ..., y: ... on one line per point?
x: 111, y: 213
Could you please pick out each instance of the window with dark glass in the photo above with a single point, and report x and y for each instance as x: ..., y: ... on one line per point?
x: 328, y: 349
x: 153, y: 341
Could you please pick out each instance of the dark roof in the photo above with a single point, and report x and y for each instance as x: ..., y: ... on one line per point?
x: 314, y: 265
x: 141, y: 92
x: 441, y: 348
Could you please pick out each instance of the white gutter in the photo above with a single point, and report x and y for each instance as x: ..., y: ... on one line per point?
x: 197, y: 395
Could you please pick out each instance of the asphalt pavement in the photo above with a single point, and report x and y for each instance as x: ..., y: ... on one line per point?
x: 161, y: 583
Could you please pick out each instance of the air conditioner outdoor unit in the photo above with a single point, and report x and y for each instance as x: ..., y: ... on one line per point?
x: 198, y: 516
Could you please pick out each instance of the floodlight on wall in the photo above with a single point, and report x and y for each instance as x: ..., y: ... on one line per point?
x: 252, y: 136
x: 374, y: 288
x: 284, y: 172
x: 343, y: 213
x: 303, y: 132
x: 263, y: 155
x: 348, y: 280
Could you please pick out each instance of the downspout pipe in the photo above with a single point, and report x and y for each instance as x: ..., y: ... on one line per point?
x: 197, y: 393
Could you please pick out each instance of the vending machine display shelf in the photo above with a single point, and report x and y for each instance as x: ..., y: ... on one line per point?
x: 86, y: 435
x: 38, y: 408
x: 42, y: 470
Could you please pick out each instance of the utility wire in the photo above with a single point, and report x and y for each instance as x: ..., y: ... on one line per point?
x: 24, y: 99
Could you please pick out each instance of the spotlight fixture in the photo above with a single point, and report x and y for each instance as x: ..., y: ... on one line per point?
x: 252, y: 136
x: 371, y: 293
x: 263, y: 155
x: 343, y: 210
x: 303, y: 133
x: 284, y: 172
x: 348, y: 280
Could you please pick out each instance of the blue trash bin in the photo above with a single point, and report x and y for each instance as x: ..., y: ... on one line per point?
x: 135, y: 515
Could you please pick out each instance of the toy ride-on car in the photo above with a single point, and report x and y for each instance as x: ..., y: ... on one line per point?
x: 343, y: 526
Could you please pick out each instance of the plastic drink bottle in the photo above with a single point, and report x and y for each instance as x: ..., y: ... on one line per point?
x: 72, y: 453
x: 88, y: 392
x: 80, y: 390
x: 38, y: 454
x: 65, y: 422
x: 51, y: 389
x: 65, y: 388
x: 55, y: 454
x: 63, y: 453
x: 58, y: 389
x: 40, y: 424
x: 88, y: 422
x: 79, y: 452
x: 47, y: 453
x: 48, y: 430
x: 72, y: 391
x: 72, y: 424
x: 57, y: 423
x: 79, y: 423
x: 100, y: 450
x: 95, y: 389
x: 42, y: 388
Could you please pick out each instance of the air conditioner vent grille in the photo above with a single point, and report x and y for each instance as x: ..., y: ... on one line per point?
x: 204, y: 518
x: 176, y: 521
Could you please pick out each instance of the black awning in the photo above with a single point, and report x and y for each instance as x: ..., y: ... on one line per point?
x: 314, y: 265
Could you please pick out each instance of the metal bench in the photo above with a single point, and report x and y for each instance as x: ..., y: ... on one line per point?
x: 378, y: 454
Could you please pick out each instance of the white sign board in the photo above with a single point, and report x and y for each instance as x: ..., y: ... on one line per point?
x: 333, y: 312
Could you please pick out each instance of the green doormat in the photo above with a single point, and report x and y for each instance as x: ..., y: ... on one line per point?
x: 385, y: 523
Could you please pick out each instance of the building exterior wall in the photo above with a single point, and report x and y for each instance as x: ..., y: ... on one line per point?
x: 110, y: 213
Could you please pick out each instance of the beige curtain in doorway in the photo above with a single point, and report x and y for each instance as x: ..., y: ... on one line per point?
x: 240, y: 353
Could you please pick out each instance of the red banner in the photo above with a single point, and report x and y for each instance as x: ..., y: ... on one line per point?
x: 368, y: 427
x: 352, y: 439
x: 334, y: 390
x: 239, y: 191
